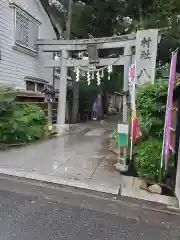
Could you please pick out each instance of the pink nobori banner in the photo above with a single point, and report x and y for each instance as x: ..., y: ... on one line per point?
x: 169, y: 105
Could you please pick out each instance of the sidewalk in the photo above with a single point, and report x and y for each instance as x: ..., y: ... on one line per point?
x: 77, y: 160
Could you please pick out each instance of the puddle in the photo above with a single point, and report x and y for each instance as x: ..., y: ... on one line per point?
x: 96, y: 132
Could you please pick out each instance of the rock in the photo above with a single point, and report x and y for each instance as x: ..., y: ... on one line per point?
x: 155, y: 189
x: 121, y: 168
x: 143, y: 185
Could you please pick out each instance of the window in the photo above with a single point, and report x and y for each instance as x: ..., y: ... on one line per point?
x: 30, y: 86
x: 26, y: 29
x: 34, y: 86
x: 40, y: 87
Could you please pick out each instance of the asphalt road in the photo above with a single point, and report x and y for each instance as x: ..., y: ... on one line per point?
x: 31, y: 211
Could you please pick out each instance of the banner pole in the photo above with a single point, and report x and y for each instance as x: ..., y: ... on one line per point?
x: 131, y: 146
x: 161, y: 163
x: 168, y: 114
x: 132, y: 98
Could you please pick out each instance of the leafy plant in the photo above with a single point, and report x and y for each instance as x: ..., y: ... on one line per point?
x: 7, y: 107
x: 151, y: 106
x: 19, y: 123
x: 112, y: 141
x: 29, y: 122
x: 147, y: 159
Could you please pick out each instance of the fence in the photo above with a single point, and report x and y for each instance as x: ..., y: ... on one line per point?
x: 39, y: 99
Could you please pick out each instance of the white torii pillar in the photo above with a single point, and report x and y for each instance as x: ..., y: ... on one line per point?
x: 61, y: 126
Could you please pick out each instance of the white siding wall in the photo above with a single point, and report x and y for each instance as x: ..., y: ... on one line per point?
x: 14, y: 65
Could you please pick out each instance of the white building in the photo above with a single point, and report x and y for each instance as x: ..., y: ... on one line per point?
x: 21, y: 63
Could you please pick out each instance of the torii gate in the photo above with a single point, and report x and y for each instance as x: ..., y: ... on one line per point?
x: 64, y: 46
x: 145, y: 61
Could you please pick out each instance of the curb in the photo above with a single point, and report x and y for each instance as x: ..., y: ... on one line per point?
x: 131, y: 188
x: 51, y: 179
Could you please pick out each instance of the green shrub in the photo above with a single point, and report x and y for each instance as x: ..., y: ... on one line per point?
x: 19, y: 123
x: 147, y: 159
x: 7, y: 104
x: 7, y: 108
x: 28, y: 123
x: 151, y: 107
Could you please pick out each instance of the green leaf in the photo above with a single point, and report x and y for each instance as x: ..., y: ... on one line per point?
x: 151, y: 106
x: 147, y: 159
x: 19, y: 123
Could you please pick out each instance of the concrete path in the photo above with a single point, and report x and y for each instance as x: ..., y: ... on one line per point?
x: 76, y: 160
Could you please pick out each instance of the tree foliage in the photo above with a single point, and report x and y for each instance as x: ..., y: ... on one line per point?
x: 103, y: 18
x: 100, y: 18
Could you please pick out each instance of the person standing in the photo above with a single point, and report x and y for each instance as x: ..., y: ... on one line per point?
x: 97, y: 108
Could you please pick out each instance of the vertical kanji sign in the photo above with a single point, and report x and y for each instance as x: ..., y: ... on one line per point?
x: 146, y: 52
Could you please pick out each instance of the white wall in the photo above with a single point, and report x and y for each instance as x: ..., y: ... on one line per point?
x: 14, y: 65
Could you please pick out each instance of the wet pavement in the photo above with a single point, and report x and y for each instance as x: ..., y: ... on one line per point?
x: 42, y: 213
x: 77, y: 159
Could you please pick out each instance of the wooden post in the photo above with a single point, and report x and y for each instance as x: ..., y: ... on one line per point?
x: 75, y: 104
x: 49, y: 113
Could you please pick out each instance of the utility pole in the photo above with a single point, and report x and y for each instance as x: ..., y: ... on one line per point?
x: 63, y: 73
x: 67, y: 34
x: 75, y: 84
